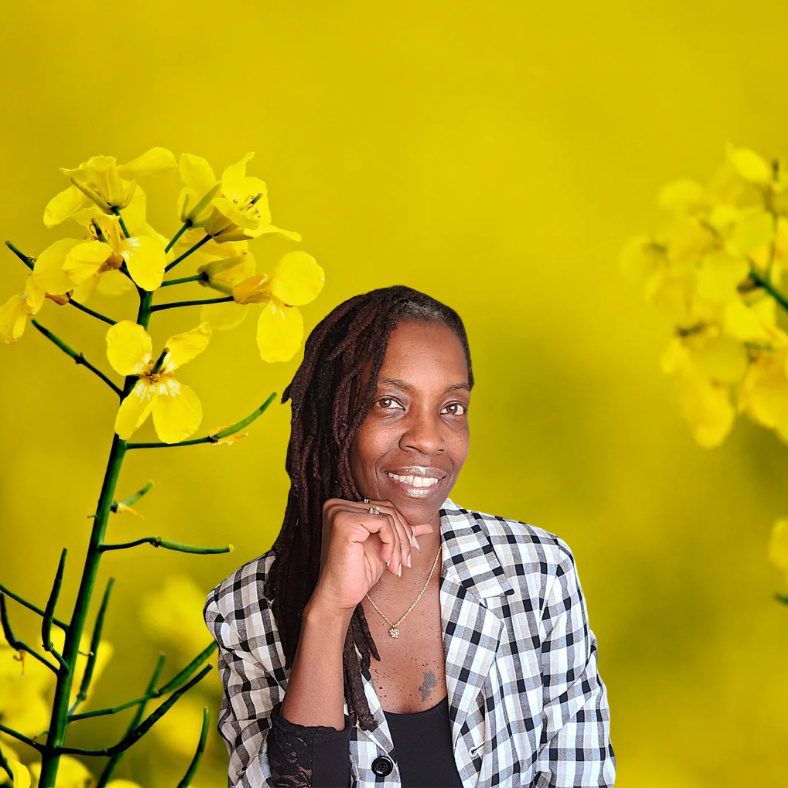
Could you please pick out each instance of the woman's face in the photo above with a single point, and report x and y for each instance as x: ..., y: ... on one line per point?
x: 417, y: 427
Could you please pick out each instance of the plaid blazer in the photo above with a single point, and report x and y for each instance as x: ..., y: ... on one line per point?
x: 527, y: 704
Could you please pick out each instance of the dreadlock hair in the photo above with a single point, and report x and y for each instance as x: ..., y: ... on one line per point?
x: 329, y: 402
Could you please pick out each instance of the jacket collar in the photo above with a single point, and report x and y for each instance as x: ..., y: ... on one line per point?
x: 471, y: 574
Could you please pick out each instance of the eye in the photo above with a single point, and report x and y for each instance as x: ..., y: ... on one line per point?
x: 386, y: 399
x: 458, y: 405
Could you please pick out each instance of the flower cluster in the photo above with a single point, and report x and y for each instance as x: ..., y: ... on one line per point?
x: 118, y: 251
x: 715, y: 269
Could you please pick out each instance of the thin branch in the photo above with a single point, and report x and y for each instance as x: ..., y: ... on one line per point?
x: 19, y: 645
x: 198, y: 302
x: 190, y: 772
x: 201, y: 277
x: 49, y: 611
x: 26, y: 259
x: 31, y: 606
x: 189, y: 251
x: 141, y: 729
x: 157, y: 541
x: 79, y: 358
x: 109, y: 768
x: 213, y: 438
x: 94, y: 644
x: 21, y: 737
x: 172, y: 684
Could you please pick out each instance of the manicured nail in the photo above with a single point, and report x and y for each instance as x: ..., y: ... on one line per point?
x: 389, y: 561
x: 407, y: 560
x: 399, y: 571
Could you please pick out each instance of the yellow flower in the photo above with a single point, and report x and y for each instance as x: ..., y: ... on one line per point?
x: 297, y: 279
x: 16, y: 310
x: 100, y: 185
x: 177, y: 412
x: 764, y: 390
x: 233, y: 209
x: 144, y: 256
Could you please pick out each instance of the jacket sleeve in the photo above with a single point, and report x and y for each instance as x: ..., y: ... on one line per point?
x: 575, y: 749
x: 265, y: 748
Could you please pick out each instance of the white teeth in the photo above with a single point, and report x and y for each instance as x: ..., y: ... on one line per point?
x: 415, y: 481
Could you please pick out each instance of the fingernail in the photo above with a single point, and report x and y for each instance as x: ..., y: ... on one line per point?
x: 407, y: 560
x: 416, y: 544
x: 399, y: 571
x: 388, y: 562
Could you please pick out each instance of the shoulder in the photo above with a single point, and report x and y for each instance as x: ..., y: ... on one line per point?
x: 238, y: 614
x: 519, y: 543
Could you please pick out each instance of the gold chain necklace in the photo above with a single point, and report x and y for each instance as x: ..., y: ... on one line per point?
x: 394, y: 631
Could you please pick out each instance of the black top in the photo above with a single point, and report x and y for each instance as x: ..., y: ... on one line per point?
x: 308, y: 756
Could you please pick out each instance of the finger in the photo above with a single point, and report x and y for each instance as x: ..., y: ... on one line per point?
x: 385, y: 530
x: 398, y: 557
x: 405, y: 531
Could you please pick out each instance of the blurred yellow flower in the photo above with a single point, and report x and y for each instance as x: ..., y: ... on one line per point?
x: 100, y: 185
x: 232, y: 209
x: 17, y: 309
x: 177, y: 412
x: 171, y: 614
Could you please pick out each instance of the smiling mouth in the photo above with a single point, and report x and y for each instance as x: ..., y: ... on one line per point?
x: 415, y: 486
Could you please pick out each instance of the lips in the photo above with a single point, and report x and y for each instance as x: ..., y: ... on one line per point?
x: 414, y: 490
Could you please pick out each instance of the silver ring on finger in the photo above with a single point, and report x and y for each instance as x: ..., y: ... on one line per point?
x: 366, y: 500
x: 373, y: 510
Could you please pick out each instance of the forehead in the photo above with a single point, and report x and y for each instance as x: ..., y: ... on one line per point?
x: 425, y: 355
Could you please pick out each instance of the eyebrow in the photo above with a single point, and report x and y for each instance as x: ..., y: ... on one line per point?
x: 405, y: 385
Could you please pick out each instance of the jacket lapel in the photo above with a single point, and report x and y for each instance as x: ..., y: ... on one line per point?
x: 470, y: 575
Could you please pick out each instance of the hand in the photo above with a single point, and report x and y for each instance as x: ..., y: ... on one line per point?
x: 358, y: 547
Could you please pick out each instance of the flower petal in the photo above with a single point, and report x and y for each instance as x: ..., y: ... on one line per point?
x: 153, y: 160
x: 129, y: 348
x: 113, y: 283
x: 135, y: 408
x: 85, y: 260
x: 63, y: 205
x: 146, y: 260
x: 234, y: 178
x: 184, y: 347
x: 279, y: 331
x: 177, y: 411
x: 48, y: 270
x: 297, y: 279
x: 197, y: 174
x: 13, y: 318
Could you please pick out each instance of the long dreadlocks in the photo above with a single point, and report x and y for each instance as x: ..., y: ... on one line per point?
x: 329, y: 402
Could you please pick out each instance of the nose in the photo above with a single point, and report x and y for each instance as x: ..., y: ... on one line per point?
x: 424, y: 433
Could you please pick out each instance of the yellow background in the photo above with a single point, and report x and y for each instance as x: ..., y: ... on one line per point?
x: 496, y: 156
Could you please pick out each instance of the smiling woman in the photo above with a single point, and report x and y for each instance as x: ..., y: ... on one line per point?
x: 485, y: 670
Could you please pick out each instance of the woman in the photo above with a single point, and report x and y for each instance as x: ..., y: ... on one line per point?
x: 485, y: 669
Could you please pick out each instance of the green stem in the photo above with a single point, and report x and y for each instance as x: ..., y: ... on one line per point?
x: 116, y: 211
x: 141, y: 729
x: 769, y: 288
x: 92, y: 312
x: 26, y: 740
x: 202, y: 277
x: 214, y: 437
x: 27, y: 260
x: 31, y: 606
x: 19, y: 645
x: 189, y: 251
x: 172, y: 684
x: 174, y: 304
x: 157, y: 541
x: 184, y: 227
x: 190, y: 772
x: 109, y: 768
x: 79, y: 358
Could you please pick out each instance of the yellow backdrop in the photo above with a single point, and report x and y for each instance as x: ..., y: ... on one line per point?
x: 496, y: 156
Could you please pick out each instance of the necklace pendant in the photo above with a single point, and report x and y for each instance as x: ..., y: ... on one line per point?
x: 394, y: 632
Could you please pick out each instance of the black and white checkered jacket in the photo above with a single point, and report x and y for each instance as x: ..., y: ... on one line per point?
x: 527, y: 704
